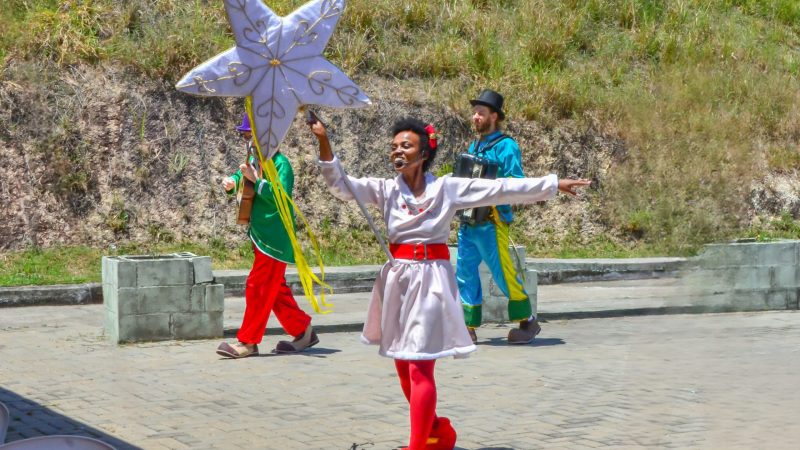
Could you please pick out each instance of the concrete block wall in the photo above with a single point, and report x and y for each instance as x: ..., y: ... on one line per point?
x: 152, y: 298
x: 746, y: 276
x: 495, y: 303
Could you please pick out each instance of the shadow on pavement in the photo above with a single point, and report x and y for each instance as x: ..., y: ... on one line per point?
x: 538, y: 342
x: 314, y: 352
x: 30, y: 419
x: 546, y: 342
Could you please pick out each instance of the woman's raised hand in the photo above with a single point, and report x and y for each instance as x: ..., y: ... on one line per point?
x: 318, y: 128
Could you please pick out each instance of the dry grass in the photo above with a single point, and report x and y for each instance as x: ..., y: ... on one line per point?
x: 704, y: 92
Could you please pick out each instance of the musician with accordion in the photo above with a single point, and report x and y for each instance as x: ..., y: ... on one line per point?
x: 483, y: 234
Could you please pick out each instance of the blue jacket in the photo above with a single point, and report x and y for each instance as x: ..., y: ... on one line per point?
x: 507, y: 156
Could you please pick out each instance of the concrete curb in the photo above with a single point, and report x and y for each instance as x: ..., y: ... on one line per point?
x: 59, y: 294
x: 554, y: 271
x: 550, y: 271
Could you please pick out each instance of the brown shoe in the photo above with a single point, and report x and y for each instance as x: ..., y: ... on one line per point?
x: 307, y: 339
x: 473, y: 335
x: 527, y: 331
x: 237, y: 350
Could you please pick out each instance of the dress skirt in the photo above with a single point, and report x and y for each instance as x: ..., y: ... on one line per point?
x: 415, y: 312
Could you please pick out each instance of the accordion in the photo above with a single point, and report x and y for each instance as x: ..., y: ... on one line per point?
x: 471, y: 166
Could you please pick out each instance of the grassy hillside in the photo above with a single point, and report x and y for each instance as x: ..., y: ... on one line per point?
x: 705, y: 93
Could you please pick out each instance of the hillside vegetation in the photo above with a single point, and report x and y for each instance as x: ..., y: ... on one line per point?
x: 703, y: 93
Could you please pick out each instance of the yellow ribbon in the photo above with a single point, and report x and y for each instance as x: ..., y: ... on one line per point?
x: 285, y: 205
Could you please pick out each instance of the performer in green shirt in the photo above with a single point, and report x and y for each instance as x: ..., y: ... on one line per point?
x: 266, y: 290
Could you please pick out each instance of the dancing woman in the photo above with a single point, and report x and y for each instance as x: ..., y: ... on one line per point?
x: 415, y: 315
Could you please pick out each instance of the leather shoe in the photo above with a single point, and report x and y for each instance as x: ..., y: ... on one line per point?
x: 236, y: 350
x: 307, y: 339
x: 527, y: 331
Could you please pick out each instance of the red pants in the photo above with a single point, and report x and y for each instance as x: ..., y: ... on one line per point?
x: 266, y: 291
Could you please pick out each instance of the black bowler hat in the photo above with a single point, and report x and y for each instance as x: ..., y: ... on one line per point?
x: 491, y: 99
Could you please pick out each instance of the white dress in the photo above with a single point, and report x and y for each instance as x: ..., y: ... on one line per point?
x: 415, y: 312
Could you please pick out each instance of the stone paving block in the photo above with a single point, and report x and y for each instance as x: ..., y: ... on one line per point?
x: 215, y: 297
x: 110, y: 297
x: 751, y: 254
x: 117, y: 272
x: 164, y: 272
x: 123, y: 301
x: 144, y: 327
x: 793, y: 299
x: 197, y: 325
x: 780, y: 299
x: 164, y: 299
x: 198, y: 298
x: 746, y: 277
x: 111, y: 325
x: 745, y: 300
x: 776, y: 254
x: 717, y: 255
x: 784, y: 277
x: 202, y: 269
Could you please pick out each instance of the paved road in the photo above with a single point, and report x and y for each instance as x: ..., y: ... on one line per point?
x: 725, y: 381
x: 593, y: 299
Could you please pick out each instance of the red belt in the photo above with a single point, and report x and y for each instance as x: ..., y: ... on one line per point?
x: 420, y: 251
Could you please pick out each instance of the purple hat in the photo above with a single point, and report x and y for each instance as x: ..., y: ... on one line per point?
x: 245, y: 126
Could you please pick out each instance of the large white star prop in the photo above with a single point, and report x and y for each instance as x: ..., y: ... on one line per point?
x: 278, y: 63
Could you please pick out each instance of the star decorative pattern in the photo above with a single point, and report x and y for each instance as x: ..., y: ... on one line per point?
x: 278, y: 63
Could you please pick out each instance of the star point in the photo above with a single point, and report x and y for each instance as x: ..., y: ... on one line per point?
x: 278, y: 63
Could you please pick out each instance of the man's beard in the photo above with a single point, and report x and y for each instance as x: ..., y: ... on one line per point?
x: 482, y: 127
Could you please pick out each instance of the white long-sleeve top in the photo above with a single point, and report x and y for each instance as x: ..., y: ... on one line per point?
x: 427, y: 219
x: 414, y: 312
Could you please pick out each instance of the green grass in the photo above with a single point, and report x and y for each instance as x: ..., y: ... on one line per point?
x: 81, y: 264
x: 783, y: 227
x: 704, y: 93
x: 51, y: 266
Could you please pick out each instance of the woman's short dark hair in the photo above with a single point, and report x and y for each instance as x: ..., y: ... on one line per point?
x: 417, y: 126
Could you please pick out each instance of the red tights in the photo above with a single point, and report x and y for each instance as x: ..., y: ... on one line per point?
x: 419, y: 387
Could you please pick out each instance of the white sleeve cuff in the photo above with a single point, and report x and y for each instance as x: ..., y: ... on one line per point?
x: 330, y: 163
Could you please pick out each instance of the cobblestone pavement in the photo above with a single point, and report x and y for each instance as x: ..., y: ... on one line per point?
x: 726, y: 381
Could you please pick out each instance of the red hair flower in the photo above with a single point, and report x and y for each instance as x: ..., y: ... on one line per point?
x: 431, y: 136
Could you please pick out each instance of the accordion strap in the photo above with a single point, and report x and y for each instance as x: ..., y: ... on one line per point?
x: 490, y: 144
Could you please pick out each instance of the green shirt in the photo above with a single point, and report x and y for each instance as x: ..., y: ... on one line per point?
x: 266, y: 228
